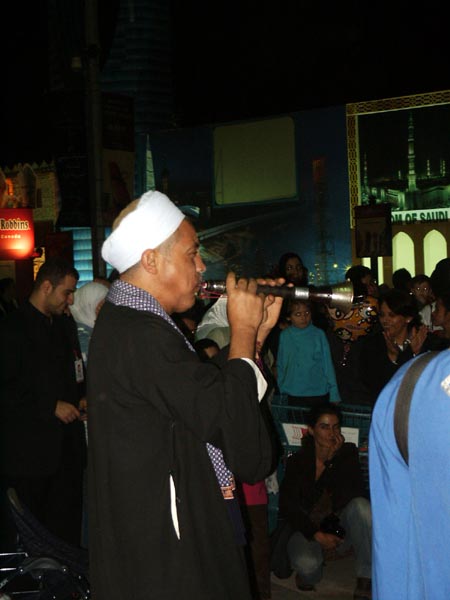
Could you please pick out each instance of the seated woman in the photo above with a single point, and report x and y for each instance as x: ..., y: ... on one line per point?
x: 402, y: 336
x: 324, y: 479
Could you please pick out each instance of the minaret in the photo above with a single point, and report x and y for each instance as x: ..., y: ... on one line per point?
x: 365, y: 176
x: 325, y: 248
x: 412, y: 187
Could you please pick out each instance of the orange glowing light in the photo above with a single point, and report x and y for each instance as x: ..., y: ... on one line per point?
x: 16, y: 233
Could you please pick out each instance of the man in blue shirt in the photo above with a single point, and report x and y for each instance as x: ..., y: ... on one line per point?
x: 411, y: 503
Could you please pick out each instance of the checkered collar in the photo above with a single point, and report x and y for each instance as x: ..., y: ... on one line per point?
x: 122, y: 293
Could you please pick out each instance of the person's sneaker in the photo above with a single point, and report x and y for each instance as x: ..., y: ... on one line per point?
x: 363, y: 589
x: 303, y: 587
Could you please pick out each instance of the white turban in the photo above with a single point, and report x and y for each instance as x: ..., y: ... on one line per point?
x: 152, y: 222
x: 85, y: 302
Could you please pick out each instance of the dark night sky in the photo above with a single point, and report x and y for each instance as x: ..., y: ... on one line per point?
x: 287, y: 56
x: 237, y: 60
x: 24, y: 40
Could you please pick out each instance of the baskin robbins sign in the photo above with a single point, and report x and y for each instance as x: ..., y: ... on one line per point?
x: 16, y: 233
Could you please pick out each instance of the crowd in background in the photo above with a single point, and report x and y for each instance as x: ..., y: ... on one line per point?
x: 316, y: 356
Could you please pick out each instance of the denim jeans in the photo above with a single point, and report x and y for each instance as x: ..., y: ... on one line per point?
x: 306, y: 556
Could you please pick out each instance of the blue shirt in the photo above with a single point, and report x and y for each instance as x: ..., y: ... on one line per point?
x: 411, y: 504
x: 304, y: 363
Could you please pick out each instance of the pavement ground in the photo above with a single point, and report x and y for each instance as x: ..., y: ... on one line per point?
x: 338, y: 583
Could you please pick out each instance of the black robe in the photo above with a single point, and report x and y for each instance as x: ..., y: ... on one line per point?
x: 152, y: 406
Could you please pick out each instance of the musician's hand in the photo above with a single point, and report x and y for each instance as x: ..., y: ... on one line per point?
x: 271, y: 311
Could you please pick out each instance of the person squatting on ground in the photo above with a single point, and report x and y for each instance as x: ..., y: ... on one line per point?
x: 163, y: 424
x: 324, y: 479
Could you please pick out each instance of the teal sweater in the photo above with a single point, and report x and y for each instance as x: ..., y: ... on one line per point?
x: 304, y: 363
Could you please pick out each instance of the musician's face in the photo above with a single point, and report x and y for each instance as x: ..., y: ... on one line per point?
x: 180, y: 270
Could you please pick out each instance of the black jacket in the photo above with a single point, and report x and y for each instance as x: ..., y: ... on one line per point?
x: 299, y: 491
x: 36, y: 370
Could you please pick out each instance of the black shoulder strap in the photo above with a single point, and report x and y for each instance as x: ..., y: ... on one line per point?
x: 403, y: 402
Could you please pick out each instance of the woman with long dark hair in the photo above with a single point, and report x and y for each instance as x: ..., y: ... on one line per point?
x: 291, y: 267
x: 401, y: 337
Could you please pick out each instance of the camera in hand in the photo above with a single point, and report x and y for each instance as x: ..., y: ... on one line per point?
x: 331, y: 524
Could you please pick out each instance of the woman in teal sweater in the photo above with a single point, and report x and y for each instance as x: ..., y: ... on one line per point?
x: 305, y: 369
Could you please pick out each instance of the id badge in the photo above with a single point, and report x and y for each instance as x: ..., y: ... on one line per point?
x: 79, y: 373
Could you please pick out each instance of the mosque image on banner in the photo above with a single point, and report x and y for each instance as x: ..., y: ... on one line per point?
x: 398, y: 154
x: 404, y: 161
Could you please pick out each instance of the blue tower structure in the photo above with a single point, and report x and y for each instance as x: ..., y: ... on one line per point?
x: 139, y: 66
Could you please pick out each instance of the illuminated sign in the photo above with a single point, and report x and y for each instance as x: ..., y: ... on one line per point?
x: 410, y: 217
x: 16, y: 233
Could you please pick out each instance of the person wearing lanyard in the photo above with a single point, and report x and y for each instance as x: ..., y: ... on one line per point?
x: 43, y: 449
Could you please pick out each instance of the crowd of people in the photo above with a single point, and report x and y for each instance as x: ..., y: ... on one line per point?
x: 180, y: 437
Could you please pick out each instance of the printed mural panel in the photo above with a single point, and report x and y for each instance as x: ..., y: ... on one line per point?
x: 399, y: 153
